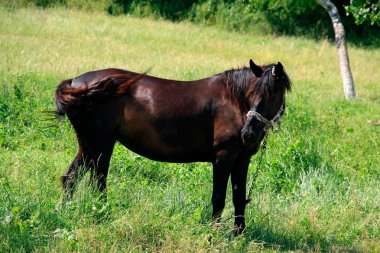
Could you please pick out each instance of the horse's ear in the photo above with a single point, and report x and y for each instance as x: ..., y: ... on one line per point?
x: 279, y: 70
x: 255, y: 69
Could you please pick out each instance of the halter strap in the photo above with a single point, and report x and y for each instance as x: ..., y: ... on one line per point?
x: 269, y: 124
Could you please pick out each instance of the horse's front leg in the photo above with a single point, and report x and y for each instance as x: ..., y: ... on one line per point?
x: 239, y: 180
x: 221, y: 172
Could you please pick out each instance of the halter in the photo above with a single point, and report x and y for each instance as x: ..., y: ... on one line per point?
x: 269, y: 124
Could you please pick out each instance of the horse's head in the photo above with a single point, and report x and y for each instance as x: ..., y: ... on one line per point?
x: 267, y: 101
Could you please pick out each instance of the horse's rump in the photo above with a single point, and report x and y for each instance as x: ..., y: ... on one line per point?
x: 83, y: 97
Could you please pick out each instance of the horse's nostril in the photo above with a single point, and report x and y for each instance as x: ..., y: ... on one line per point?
x: 251, y: 137
x: 247, y: 136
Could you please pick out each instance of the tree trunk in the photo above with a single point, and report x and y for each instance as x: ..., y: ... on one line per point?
x: 348, y: 82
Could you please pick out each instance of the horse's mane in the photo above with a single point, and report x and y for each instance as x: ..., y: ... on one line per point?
x: 238, y: 82
x: 242, y: 85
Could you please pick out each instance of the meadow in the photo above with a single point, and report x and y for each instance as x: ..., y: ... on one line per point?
x: 317, y: 191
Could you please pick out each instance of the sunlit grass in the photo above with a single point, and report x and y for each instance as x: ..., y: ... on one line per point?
x: 318, y: 188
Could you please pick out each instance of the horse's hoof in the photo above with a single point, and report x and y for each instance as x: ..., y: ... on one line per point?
x: 217, y: 224
x: 238, y: 230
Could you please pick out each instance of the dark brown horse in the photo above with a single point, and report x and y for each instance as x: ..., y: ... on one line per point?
x: 220, y: 119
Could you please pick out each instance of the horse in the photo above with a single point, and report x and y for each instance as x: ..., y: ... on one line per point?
x: 220, y: 119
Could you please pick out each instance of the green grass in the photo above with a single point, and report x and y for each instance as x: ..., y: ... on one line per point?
x: 318, y: 189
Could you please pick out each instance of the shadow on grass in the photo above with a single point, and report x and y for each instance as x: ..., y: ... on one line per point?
x: 284, y: 242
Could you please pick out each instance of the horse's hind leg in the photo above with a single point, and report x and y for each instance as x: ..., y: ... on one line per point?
x: 101, y: 149
x: 95, y: 154
x: 76, y: 170
x: 102, y: 160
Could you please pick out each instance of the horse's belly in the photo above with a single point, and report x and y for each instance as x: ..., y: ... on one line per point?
x: 169, y: 143
x: 165, y: 153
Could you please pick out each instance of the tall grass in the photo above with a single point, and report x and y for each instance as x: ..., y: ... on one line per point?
x: 318, y: 187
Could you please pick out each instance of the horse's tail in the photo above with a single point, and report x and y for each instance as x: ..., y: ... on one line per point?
x: 61, y: 98
x: 68, y: 98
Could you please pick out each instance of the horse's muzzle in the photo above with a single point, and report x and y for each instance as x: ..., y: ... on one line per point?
x: 247, y: 135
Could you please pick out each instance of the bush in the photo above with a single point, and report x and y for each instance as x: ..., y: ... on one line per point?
x: 307, y: 18
x: 169, y: 9
x: 293, y: 16
x: 88, y: 5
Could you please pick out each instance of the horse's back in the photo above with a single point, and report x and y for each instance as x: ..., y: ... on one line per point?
x: 95, y: 76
